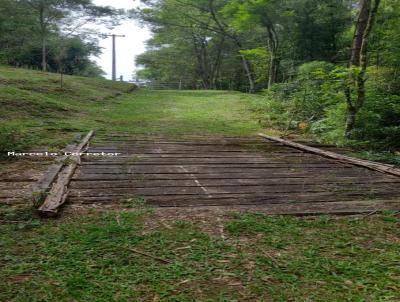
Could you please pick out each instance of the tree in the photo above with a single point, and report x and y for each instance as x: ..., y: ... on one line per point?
x: 359, y: 61
x: 50, y: 13
x: 69, y: 45
x: 202, y: 23
x: 16, y: 31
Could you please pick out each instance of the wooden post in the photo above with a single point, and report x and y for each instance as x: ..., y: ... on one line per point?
x: 389, y: 169
x: 59, y: 191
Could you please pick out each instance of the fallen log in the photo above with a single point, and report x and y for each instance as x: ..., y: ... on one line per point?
x: 58, y: 177
x: 383, y: 168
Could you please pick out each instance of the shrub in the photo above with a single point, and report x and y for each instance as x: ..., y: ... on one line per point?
x: 303, y: 101
x: 314, y: 102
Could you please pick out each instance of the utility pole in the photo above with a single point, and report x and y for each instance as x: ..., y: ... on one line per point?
x: 114, y: 56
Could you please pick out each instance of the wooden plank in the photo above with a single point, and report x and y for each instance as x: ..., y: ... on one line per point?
x: 222, y: 169
x: 216, y: 155
x: 251, y: 148
x: 390, y: 169
x: 214, y: 173
x: 15, y: 193
x: 124, y: 166
x: 190, y: 144
x: 245, y: 176
x: 41, y: 187
x: 59, y: 190
x: 18, y: 179
x: 44, y: 183
x: 234, y: 199
x: 145, y: 183
x: 213, y: 161
x: 14, y: 185
x: 216, y: 161
x: 196, y: 189
x: 192, y: 151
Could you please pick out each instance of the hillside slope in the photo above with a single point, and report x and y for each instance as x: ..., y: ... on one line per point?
x: 36, y: 110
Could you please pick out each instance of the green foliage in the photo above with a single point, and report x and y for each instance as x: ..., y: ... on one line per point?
x: 386, y: 157
x: 24, y: 33
x: 212, y: 35
x: 385, y: 39
x: 303, y: 101
x: 379, y: 119
x: 314, y: 103
x: 258, y: 57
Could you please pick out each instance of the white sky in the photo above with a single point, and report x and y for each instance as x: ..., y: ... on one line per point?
x: 127, y: 48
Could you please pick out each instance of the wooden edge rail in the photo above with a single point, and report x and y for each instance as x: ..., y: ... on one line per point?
x: 43, y: 184
x: 54, y: 184
x: 383, y: 168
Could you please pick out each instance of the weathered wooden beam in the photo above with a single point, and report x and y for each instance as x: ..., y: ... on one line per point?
x: 40, y: 187
x: 59, y: 177
x: 383, y: 168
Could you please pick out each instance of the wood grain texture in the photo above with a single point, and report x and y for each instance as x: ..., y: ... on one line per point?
x: 228, y: 172
x: 59, y: 190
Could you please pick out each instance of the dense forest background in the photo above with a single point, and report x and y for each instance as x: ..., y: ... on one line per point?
x: 53, y: 35
x: 327, y: 67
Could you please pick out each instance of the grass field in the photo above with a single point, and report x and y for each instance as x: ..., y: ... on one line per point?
x: 143, y: 254
x: 37, y: 111
x: 175, y: 113
x: 99, y: 257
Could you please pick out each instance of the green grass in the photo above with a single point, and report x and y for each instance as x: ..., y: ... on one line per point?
x: 175, y: 113
x: 93, y: 258
x: 37, y: 111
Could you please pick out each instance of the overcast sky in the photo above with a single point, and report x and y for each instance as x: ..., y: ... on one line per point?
x: 128, y: 47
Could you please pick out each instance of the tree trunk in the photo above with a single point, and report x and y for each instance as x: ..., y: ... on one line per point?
x: 222, y: 29
x: 44, y: 55
x: 246, y: 67
x: 198, y: 47
x: 273, y: 70
x: 273, y: 45
x: 215, y: 69
x: 43, y: 37
x: 361, y: 25
x: 359, y: 58
x: 350, y: 120
x: 273, y: 49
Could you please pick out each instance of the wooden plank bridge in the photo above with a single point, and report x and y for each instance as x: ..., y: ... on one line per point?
x: 226, y: 172
x: 200, y: 171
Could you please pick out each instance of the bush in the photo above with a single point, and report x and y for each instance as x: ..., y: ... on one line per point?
x: 331, y: 128
x: 303, y: 101
x: 314, y: 102
x: 379, y: 120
